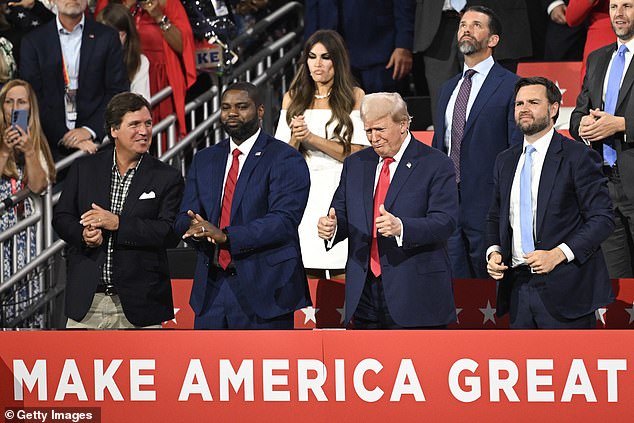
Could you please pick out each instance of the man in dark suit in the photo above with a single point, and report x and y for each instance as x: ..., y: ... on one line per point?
x: 474, y: 122
x: 550, y: 212
x: 602, y: 119
x: 378, y: 33
x: 562, y: 42
x: 116, y: 213
x: 75, y: 66
x: 243, y: 201
x: 396, y: 204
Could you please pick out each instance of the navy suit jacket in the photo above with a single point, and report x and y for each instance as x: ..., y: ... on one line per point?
x: 102, y: 74
x: 489, y: 130
x: 591, y: 97
x: 417, y: 276
x: 268, y: 204
x: 140, y: 270
x: 573, y: 207
x: 372, y: 28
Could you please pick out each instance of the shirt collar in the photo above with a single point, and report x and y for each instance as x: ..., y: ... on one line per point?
x: 63, y: 30
x: 629, y: 44
x: 246, y: 146
x: 114, y: 161
x: 483, y: 68
x: 542, y: 144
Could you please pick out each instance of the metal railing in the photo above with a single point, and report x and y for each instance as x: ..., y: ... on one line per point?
x: 28, y: 289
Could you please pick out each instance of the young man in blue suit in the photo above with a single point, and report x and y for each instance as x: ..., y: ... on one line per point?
x: 243, y: 201
x: 397, y: 205
x: 474, y: 123
x: 550, y: 212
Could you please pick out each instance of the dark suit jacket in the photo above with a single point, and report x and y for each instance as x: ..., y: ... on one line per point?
x: 417, y: 276
x: 489, y: 130
x: 573, y: 207
x: 139, y: 270
x: 591, y: 97
x: 428, y: 16
x: 268, y: 204
x: 372, y: 28
x: 102, y: 74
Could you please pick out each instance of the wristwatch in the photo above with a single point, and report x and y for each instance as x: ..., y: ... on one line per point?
x: 164, y: 23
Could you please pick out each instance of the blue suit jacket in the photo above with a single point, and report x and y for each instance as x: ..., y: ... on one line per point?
x: 417, y: 276
x: 489, y: 130
x: 573, y: 207
x: 102, y: 74
x: 372, y: 28
x: 268, y: 204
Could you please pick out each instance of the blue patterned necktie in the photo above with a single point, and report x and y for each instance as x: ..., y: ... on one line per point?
x: 526, y: 204
x: 459, y: 120
x: 611, y: 96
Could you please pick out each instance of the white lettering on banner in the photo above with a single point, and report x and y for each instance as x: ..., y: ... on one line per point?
x: 315, y: 384
x: 68, y: 387
x: 497, y: 384
x: 37, y: 376
x: 582, y: 380
x: 137, y: 380
x: 407, y: 372
x: 612, y: 366
x: 534, y: 380
x: 195, y: 382
x: 271, y: 380
x: 471, y: 381
x: 359, y: 387
x: 105, y: 380
x: 244, y: 376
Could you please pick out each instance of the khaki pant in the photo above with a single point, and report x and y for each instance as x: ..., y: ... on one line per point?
x: 105, y: 313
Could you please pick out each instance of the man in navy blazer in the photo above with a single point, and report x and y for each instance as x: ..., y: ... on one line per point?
x: 397, y: 275
x: 94, y: 64
x: 116, y: 213
x: 243, y: 201
x: 550, y: 212
x: 487, y: 129
x: 379, y: 35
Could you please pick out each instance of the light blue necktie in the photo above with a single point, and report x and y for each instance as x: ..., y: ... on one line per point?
x: 526, y: 205
x: 458, y: 5
x: 611, y: 96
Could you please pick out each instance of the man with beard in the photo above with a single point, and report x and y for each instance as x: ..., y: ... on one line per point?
x: 474, y: 122
x: 244, y: 198
x: 602, y: 119
x: 55, y: 58
x: 550, y: 213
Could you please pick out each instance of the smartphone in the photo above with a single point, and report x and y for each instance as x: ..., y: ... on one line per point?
x: 20, y: 117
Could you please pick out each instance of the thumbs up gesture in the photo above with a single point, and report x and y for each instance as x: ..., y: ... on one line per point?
x: 387, y: 224
x: 327, y: 225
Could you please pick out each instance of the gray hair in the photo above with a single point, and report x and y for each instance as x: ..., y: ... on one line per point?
x: 379, y: 105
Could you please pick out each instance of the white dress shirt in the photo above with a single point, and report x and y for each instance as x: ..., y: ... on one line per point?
x: 245, y: 149
x: 477, y: 80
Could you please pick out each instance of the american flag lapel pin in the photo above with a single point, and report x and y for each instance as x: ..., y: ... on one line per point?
x: 409, y: 164
x: 258, y: 153
x: 91, y: 36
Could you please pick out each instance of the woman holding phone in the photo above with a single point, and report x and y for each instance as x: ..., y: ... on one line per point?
x: 25, y: 161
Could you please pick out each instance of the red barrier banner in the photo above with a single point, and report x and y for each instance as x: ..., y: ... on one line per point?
x: 475, y: 306
x: 320, y: 375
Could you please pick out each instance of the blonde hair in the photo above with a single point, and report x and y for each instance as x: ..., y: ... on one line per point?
x: 379, y: 105
x: 35, y: 131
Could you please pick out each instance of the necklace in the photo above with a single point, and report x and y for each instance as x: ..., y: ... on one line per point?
x: 321, y: 97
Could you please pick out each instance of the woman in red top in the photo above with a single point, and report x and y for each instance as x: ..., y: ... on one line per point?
x: 599, y: 30
x: 167, y: 41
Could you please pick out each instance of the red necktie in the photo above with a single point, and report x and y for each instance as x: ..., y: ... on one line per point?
x: 379, y: 198
x: 224, y: 256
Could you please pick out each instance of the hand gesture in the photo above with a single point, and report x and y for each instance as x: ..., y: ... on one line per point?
x: 98, y: 217
x: 93, y: 237
x: 200, y: 228
x: 495, y: 266
x: 387, y: 224
x: 327, y: 224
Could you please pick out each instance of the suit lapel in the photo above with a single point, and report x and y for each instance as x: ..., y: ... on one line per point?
x: 212, y: 191
x: 103, y: 180
x: 547, y: 179
x: 406, y: 166
x: 602, y: 69
x: 252, y: 161
x: 443, y: 102
x: 625, y: 85
x: 507, y: 174
x: 87, y: 48
x: 490, y: 85
x: 369, y: 173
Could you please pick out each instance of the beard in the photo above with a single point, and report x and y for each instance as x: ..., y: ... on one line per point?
x: 537, y: 125
x: 624, y: 34
x: 243, y: 131
x: 470, y: 46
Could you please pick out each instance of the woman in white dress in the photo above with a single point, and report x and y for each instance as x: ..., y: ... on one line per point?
x: 320, y: 117
x: 118, y: 16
